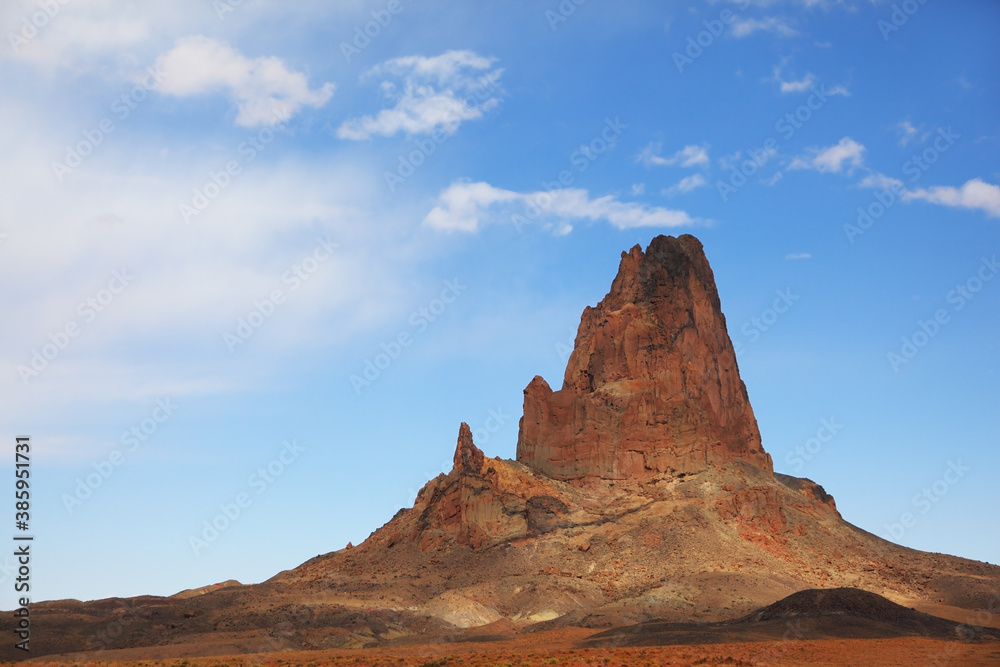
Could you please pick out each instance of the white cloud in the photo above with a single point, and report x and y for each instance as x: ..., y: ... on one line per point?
x: 833, y: 158
x: 429, y: 94
x: 68, y: 33
x: 466, y: 207
x: 797, y: 86
x: 686, y: 184
x: 906, y: 131
x: 264, y: 89
x: 975, y: 194
x: 779, y: 26
x: 638, y: 189
x: 461, y: 206
x: 689, y: 156
x: 793, y: 86
x: 799, y: 255
x: 880, y: 181
x: 803, y: 84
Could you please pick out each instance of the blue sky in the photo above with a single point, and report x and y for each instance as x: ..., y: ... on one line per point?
x: 216, y: 217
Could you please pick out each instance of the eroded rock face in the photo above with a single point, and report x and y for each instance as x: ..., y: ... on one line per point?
x: 469, y: 506
x: 652, y: 385
x: 468, y: 457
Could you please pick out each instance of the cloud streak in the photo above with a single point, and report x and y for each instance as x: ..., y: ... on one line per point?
x: 832, y: 159
x: 975, y: 194
x: 689, y: 156
x: 467, y: 207
x: 907, y: 132
x: 778, y: 26
x: 880, y: 181
x: 686, y: 185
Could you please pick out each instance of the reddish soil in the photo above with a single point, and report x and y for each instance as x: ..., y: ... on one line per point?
x: 558, y: 648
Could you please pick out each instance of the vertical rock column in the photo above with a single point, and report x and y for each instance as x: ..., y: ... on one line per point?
x: 652, y: 385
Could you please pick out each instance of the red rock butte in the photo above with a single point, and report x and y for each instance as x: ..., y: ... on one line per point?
x: 641, y: 493
x: 652, y: 385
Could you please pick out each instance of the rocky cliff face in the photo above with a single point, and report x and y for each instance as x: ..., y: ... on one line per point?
x: 652, y: 385
x: 472, y: 506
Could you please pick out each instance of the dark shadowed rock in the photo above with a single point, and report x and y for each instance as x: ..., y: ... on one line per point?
x: 839, y: 613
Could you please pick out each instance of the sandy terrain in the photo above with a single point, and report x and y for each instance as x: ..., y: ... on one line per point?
x: 559, y: 648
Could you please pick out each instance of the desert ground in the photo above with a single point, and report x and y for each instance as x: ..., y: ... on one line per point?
x: 560, y: 648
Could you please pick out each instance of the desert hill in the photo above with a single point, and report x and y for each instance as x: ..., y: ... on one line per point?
x: 839, y: 613
x: 640, y: 492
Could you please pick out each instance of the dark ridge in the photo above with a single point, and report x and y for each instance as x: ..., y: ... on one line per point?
x: 800, y: 483
x: 838, y: 613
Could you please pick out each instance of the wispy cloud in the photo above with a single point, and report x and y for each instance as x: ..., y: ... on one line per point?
x: 264, y: 89
x: 466, y: 207
x: 797, y: 86
x: 790, y: 86
x: 773, y: 179
x: 162, y: 336
x: 798, y: 255
x: 806, y: 3
x: 806, y: 82
x: 964, y: 83
x: 832, y: 159
x: 70, y: 34
x: 689, y: 156
x: 778, y: 26
x: 729, y: 161
x: 686, y: 184
x: 907, y: 132
x: 429, y: 94
x: 974, y: 194
x: 880, y: 181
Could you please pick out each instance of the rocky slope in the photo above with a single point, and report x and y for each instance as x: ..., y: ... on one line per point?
x: 640, y: 491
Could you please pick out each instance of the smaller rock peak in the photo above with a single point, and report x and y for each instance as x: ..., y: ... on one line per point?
x: 468, y: 457
x: 634, y: 253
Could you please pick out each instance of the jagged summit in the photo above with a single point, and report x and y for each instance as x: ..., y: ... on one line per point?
x: 468, y: 457
x: 652, y: 385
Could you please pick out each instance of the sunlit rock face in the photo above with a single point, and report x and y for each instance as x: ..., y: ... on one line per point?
x: 652, y: 385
